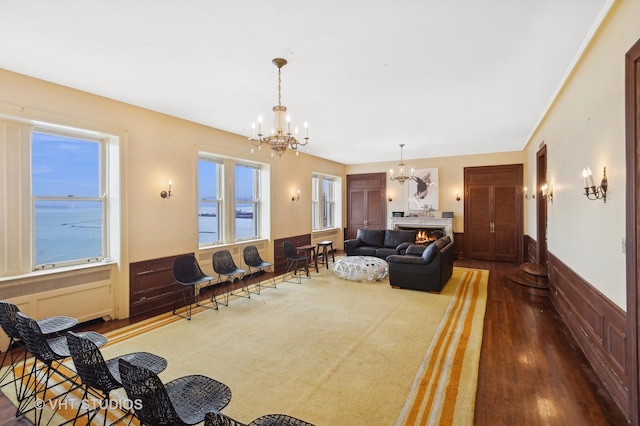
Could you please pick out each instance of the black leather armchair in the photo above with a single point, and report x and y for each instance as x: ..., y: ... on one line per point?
x: 424, y: 269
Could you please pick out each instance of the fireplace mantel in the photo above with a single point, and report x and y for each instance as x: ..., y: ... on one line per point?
x: 424, y: 222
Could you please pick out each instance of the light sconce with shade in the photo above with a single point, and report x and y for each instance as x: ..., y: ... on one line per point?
x: 166, y: 194
x: 592, y: 191
x: 282, y: 136
x: 457, y: 195
x: 296, y: 197
x: 400, y: 177
x: 526, y: 194
x: 389, y: 197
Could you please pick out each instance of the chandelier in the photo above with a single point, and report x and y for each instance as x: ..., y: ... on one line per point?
x: 281, y: 137
x: 401, y: 176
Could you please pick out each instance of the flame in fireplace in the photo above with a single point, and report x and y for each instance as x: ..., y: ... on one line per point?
x: 421, y: 237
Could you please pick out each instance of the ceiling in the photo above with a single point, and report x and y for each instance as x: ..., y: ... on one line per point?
x: 442, y: 77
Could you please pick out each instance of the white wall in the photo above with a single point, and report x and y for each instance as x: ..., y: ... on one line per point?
x: 586, y: 127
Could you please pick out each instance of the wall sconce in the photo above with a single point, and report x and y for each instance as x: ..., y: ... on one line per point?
x: 590, y: 190
x: 547, y: 193
x: 457, y: 196
x: 166, y: 194
x: 526, y: 194
x: 296, y: 197
x: 389, y: 197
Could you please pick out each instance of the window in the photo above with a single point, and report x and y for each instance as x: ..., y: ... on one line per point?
x: 209, y: 195
x: 68, y: 195
x: 247, y: 201
x: 323, y: 199
x: 230, y: 200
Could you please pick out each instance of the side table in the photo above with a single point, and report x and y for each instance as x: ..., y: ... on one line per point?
x: 310, y: 251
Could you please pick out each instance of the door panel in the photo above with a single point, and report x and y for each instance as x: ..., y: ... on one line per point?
x: 366, y: 203
x: 505, y: 223
x: 479, y: 224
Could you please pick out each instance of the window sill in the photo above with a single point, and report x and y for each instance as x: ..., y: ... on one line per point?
x: 55, y: 271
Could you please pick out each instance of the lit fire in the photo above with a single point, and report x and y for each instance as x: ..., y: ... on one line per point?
x: 422, y: 237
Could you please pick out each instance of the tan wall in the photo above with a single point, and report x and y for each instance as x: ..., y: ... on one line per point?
x: 450, y: 179
x: 157, y: 148
x: 586, y: 127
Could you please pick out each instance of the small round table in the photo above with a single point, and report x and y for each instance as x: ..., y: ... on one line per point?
x: 361, y: 268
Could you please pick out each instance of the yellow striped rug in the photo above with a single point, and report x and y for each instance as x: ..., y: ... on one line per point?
x: 436, y: 397
x: 357, y: 376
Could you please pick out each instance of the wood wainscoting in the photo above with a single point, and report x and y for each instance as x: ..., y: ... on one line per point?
x: 597, y: 324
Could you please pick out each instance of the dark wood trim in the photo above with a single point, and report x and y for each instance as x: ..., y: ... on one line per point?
x: 458, y: 237
x: 541, y: 206
x: 597, y: 324
x: 530, y: 249
x: 632, y: 81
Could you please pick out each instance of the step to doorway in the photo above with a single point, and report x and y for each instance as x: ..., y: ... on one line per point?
x: 532, y: 283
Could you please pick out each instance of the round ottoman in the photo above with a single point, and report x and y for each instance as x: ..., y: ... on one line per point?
x: 361, y: 268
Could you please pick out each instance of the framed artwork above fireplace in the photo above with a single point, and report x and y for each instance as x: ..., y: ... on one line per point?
x: 423, y: 190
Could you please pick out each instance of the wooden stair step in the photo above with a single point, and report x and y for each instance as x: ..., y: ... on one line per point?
x: 534, y: 269
x: 518, y: 276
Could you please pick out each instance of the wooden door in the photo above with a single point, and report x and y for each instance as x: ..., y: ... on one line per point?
x: 366, y: 202
x: 493, y: 213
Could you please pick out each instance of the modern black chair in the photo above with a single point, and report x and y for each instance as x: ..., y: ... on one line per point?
x: 295, y: 262
x: 100, y: 376
x: 227, y: 271
x: 16, y: 349
x: 257, y: 266
x: 49, y: 353
x: 183, y: 401
x: 219, y: 419
x: 187, y: 273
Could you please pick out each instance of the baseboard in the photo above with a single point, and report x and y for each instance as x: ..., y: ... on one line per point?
x: 598, y: 325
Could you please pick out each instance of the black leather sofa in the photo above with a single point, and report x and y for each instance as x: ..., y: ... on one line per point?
x: 380, y: 242
x: 424, y: 269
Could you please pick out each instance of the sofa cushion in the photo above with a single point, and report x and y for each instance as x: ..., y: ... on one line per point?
x: 383, y: 252
x: 366, y: 251
x: 442, y: 242
x: 393, y: 238
x: 415, y: 250
x: 430, y: 252
x: 371, y: 237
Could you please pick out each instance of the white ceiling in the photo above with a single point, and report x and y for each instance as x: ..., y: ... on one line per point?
x: 443, y: 77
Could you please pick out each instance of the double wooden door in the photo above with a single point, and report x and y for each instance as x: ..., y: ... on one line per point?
x: 493, y: 213
x: 366, y: 202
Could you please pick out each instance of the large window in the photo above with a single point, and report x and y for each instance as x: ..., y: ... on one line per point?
x: 229, y: 200
x: 323, y: 199
x: 209, y: 194
x: 68, y: 195
x: 247, y: 201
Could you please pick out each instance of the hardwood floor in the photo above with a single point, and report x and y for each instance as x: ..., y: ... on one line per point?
x: 531, y: 370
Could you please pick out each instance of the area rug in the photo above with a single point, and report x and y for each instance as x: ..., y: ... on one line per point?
x: 329, y: 351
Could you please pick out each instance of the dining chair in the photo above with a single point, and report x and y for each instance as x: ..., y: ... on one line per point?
x: 257, y: 266
x: 295, y: 262
x: 183, y: 401
x: 218, y: 419
x: 101, y: 377
x: 16, y: 349
x: 187, y: 273
x: 227, y: 271
x: 49, y: 353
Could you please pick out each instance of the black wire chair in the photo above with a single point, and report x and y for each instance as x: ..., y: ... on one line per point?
x: 295, y: 262
x: 183, y: 401
x: 218, y: 419
x: 16, y: 349
x: 100, y: 377
x: 257, y: 266
x: 50, y: 353
x: 187, y: 273
x: 227, y: 271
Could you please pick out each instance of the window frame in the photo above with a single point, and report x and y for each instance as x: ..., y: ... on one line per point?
x: 218, y: 201
x: 320, y: 205
x: 254, y: 201
x: 82, y: 136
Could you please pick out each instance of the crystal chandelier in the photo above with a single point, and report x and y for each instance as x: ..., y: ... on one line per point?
x: 401, y: 176
x: 282, y: 137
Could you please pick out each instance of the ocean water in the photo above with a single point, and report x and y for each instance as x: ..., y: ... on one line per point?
x: 67, y: 231
x: 72, y: 231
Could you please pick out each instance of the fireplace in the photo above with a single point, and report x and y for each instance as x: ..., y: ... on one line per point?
x: 425, y: 225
